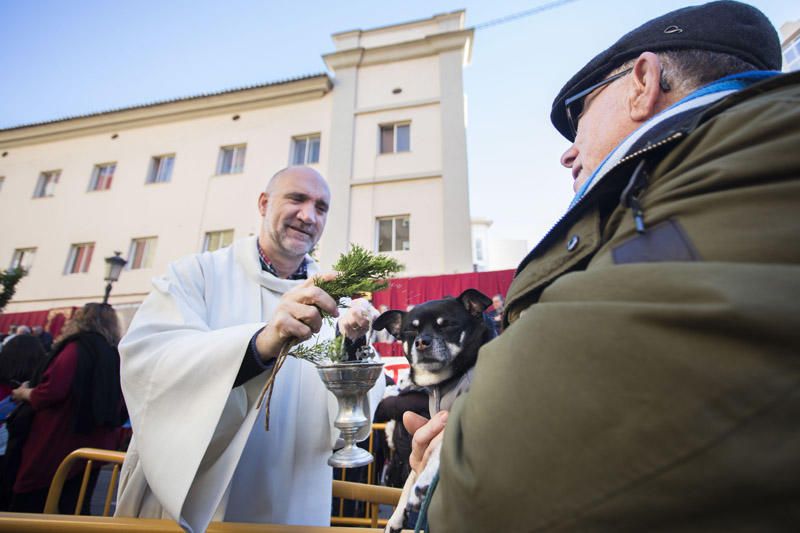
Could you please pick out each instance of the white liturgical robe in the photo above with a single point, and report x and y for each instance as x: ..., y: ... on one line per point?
x: 200, y: 451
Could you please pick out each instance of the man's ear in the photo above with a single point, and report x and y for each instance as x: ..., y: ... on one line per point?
x: 391, y: 321
x: 263, y: 198
x: 645, y: 97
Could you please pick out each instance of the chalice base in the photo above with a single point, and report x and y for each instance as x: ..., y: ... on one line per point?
x: 350, y: 456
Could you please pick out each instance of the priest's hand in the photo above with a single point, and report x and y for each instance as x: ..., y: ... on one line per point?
x: 356, y: 320
x: 296, y: 317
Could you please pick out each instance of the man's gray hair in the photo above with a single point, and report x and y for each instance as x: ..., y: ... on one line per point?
x: 687, y: 70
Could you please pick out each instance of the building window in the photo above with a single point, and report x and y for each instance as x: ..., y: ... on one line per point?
x: 102, y: 176
x: 160, y: 169
x: 479, y: 250
x: 231, y: 159
x: 217, y: 239
x: 23, y: 258
x: 46, y: 186
x: 2, y: 181
x: 792, y: 56
x: 141, y: 253
x: 80, y: 256
x: 305, y: 150
x: 395, y: 138
x: 393, y: 234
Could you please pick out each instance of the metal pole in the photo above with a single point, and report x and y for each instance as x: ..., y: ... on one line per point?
x: 108, y: 291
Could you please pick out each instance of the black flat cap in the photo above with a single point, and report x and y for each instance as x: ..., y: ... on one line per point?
x: 729, y: 27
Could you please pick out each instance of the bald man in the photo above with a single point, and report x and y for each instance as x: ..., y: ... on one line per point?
x: 196, y: 357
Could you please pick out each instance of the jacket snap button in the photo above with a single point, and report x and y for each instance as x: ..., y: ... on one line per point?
x: 573, y: 243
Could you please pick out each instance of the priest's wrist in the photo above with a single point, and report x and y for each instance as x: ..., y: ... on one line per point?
x: 265, y: 346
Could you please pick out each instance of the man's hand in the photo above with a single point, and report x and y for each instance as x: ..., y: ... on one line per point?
x: 356, y: 320
x: 426, y: 433
x: 297, y: 316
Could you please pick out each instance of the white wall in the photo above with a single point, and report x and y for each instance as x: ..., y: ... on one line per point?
x: 347, y: 111
x: 179, y: 212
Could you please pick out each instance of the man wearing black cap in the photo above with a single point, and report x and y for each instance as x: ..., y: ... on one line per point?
x: 649, y: 374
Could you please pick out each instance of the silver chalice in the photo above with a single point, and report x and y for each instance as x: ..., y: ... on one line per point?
x: 350, y: 382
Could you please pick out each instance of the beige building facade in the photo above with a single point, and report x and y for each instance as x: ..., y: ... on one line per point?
x: 790, y: 45
x: 385, y: 126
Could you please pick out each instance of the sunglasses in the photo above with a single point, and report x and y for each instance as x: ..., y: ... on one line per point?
x: 574, y: 104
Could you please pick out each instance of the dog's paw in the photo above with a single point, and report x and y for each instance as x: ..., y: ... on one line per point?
x: 390, y: 528
x: 395, y: 523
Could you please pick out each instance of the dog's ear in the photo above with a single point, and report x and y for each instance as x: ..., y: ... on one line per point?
x: 391, y: 321
x: 475, y: 302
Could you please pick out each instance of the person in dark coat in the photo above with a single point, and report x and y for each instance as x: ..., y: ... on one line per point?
x: 412, y: 399
x: 647, y: 377
x: 77, y: 402
x: 44, y: 337
x: 20, y: 359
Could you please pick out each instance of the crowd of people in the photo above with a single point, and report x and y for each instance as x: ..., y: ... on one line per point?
x: 57, y: 399
x: 645, y: 375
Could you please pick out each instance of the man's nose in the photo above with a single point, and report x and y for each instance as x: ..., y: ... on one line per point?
x: 307, y: 213
x: 568, y: 157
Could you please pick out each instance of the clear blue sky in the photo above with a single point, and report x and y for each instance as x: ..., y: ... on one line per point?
x: 65, y: 58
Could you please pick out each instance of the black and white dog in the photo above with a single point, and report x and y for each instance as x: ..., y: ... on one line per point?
x: 441, y: 339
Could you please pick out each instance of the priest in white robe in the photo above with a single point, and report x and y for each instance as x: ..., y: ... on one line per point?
x: 196, y: 356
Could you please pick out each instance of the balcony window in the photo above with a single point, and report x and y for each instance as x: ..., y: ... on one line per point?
x: 79, y: 258
x: 160, y: 170
x: 231, y: 159
x: 393, y: 234
x: 217, y: 239
x: 46, y: 186
x: 140, y: 254
x: 23, y: 258
x: 395, y: 138
x: 102, y: 176
x: 305, y: 150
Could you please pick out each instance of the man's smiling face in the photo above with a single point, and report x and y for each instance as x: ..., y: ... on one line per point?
x: 295, y: 209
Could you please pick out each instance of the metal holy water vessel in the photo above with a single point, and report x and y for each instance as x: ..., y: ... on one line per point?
x: 350, y: 382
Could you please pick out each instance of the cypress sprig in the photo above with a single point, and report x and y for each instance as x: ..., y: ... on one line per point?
x: 360, y: 271
x: 322, y: 352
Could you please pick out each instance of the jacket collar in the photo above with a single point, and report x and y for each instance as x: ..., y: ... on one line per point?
x: 661, y: 136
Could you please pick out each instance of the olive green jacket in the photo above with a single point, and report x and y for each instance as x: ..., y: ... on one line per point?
x: 650, y: 382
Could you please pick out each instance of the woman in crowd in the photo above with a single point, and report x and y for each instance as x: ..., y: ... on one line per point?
x: 20, y: 357
x: 19, y: 360
x: 76, y: 403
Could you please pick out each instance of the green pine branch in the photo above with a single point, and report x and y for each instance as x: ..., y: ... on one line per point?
x: 360, y: 271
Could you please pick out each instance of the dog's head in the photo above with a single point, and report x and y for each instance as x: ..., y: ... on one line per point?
x: 441, y: 338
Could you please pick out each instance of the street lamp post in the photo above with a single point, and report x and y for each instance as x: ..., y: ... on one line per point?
x: 113, y: 269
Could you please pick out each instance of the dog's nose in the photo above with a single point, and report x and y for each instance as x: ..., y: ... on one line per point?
x: 422, y: 342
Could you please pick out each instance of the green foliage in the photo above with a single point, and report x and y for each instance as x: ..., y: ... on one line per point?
x: 8, y: 281
x: 321, y: 352
x: 360, y: 271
